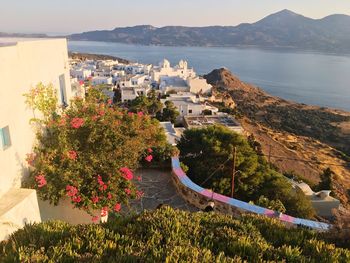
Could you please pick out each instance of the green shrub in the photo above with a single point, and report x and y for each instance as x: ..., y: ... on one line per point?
x: 167, y: 235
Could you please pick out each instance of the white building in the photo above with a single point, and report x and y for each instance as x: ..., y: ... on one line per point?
x: 101, y: 80
x: 130, y: 93
x: 139, y: 80
x: 201, y: 121
x: 164, y: 69
x: 172, y: 84
x: 322, y: 202
x: 43, y: 61
x: 80, y: 73
x: 171, y: 134
x: 199, y: 85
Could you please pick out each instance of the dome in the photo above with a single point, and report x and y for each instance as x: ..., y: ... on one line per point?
x: 165, y: 64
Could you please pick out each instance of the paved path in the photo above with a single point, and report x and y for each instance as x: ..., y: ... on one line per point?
x: 159, y: 189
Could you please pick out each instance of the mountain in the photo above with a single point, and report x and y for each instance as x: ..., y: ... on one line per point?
x: 35, y: 35
x: 284, y: 29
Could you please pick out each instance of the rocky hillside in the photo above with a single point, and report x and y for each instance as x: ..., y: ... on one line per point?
x: 296, y: 137
x: 284, y: 29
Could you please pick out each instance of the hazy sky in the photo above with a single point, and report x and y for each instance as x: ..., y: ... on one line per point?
x: 81, y: 15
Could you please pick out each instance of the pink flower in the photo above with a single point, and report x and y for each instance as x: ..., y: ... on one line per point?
x: 109, y: 196
x: 131, y: 114
x: 149, y: 158
x: 76, y: 199
x: 140, y: 114
x: 139, y: 178
x: 94, y: 199
x: 126, y: 173
x: 72, y: 155
x: 117, y: 207
x: 71, y: 190
x: 104, y: 211
x: 127, y: 191
x: 30, y: 158
x: 99, y: 180
x: 77, y: 123
x: 139, y: 194
x: 103, y: 187
x: 101, y: 112
x: 109, y: 101
x: 149, y: 150
x: 81, y: 82
x: 94, y: 118
x: 40, y: 179
x: 94, y: 218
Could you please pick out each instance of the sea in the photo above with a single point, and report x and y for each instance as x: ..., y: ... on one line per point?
x: 304, y: 77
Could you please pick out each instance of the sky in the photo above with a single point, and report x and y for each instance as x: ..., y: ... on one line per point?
x: 73, y: 16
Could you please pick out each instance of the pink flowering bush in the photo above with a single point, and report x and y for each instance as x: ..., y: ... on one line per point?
x: 88, y: 154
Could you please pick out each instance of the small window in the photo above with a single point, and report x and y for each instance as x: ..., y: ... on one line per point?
x: 5, y: 139
x: 189, y: 111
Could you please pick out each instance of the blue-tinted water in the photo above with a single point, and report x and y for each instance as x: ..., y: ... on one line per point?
x: 311, y: 78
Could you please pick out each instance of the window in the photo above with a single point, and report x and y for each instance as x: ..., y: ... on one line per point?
x: 5, y: 139
x: 189, y: 111
x: 63, y: 89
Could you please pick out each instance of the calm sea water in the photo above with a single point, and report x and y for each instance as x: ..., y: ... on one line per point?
x: 311, y: 78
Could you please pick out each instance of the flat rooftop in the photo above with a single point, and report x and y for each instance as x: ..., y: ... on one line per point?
x: 197, y: 121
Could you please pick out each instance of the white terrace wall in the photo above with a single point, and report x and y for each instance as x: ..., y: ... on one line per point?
x: 22, y: 66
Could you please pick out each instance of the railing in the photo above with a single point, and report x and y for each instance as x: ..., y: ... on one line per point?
x: 240, y: 205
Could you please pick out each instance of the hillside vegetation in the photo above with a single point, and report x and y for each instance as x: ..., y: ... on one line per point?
x: 308, y: 139
x: 168, y: 235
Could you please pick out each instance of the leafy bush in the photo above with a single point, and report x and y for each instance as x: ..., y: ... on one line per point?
x: 88, y: 153
x: 168, y: 235
x: 208, y: 152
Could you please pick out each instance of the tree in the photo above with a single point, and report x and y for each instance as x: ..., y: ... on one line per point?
x: 170, y: 113
x: 208, y: 154
x: 326, y: 182
x: 213, y: 150
x: 147, y: 104
x: 88, y: 152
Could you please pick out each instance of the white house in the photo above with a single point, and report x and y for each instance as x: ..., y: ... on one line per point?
x: 131, y: 93
x: 43, y: 61
x: 80, y: 73
x: 139, y: 80
x: 164, y: 69
x: 322, y: 202
x: 172, y: 84
x: 101, y: 80
x: 199, y: 85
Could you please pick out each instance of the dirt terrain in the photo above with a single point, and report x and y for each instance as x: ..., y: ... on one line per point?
x: 294, y: 137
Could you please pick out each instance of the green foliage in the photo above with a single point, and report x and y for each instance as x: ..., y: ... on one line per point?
x: 148, y: 105
x: 84, y: 153
x: 42, y: 98
x: 170, y: 113
x: 168, y: 235
x: 326, y: 182
x: 276, y: 205
x: 208, y: 153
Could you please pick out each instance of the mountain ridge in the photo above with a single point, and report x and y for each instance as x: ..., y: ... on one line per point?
x: 284, y: 29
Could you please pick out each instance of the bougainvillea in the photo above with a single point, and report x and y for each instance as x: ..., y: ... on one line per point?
x: 88, y: 153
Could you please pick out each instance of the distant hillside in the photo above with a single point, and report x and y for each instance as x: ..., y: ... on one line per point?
x: 284, y: 29
x: 2, y: 34
x: 84, y: 56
